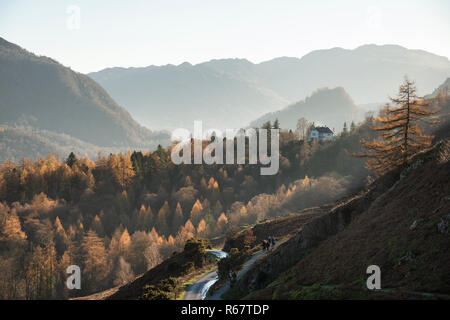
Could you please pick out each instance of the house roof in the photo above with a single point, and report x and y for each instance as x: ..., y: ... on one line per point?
x: 323, y: 130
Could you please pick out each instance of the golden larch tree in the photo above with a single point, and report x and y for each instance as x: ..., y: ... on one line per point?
x: 400, y: 130
x: 196, y: 212
x: 10, y: 227
x: 202, y: 229
x: 178, y: 218
x: 221, y: 223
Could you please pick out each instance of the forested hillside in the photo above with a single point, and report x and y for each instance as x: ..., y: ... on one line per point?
x: 330, y: 107
x: 39, y: 92
x: 125, y: 213
x: 398, y: 222
x: 19, y: 142
x: 218, y: 150
x: 401, y: 224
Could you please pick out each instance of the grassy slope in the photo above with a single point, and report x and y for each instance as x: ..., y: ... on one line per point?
x: 399, y: 232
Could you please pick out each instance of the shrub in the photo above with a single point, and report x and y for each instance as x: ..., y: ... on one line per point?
x: 164, y: 290
x: 195, y: 250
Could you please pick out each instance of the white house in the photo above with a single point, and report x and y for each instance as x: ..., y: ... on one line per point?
x: 321, y: 134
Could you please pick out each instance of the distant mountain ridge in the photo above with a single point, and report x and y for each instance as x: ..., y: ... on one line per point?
x: 233, y: 92
x: 39, y: 92
x: 26, y: 142
x: 329, y: 107
x: 175, y: 96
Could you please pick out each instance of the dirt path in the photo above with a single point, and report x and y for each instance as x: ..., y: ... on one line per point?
x: 197, y: 290
x: 245, y: 268
x: 247, y: 265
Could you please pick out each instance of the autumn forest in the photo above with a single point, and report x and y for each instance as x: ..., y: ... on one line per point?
x: 122, y: 214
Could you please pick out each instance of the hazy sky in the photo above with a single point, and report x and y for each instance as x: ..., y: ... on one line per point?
x: 142, y: 33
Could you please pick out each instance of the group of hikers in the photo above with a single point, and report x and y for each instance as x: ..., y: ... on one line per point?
x: 268, y: 243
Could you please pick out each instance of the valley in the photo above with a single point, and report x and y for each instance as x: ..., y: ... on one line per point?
x: 319, y: 183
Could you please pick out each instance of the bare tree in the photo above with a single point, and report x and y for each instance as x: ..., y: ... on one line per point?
x: 302, y: 127
x: 124, y: 273
x: 152, y: 256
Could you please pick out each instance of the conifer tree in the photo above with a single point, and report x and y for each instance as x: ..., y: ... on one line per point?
x: 10, y: 228
x: 203, y: 185
x: 61, y: 238
x: 211, y: 183
x: 94, y: 264
x: 217, y: 209
x: 122, y: 168
x: 71, y: 159
x: 266, y: 125
x: 305, y: 153
x: 202, y: 230
x: 196, y: 212
x: 41, y: 273
x: 188, y: 181
x: 276, y: 124
x: 97, y: 226
x: 124, y: 242
x: 61, y: 289
x: 221, y: 223
x: 189, y: 227
x: 162, y: 218
x: 401, y: 133
x: 145, y: 218
x: 178, y: 218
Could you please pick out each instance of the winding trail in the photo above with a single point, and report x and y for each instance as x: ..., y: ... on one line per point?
x: 247, y: 265
x: 199, y: 289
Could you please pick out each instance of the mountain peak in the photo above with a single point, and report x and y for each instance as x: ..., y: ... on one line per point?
x: 329, y: 106
x: 233, y: 92
x: 62, y: 101
x: 5, y: 43
x: 185, y: 65
x: 373, y: 46
x: 227, y: 62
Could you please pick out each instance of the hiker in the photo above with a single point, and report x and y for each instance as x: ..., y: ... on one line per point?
x: 269, y: 242
x: 272, y: 240
x: 233, y: 277
x: 264, y: 245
